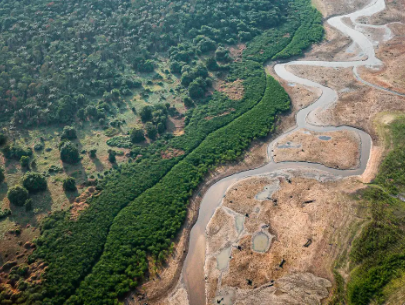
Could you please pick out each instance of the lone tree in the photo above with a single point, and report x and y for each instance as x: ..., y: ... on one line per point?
x: 25, y: 162
x: 137, y: 135
x: 34, y: 182
x: 69, y: 184
x: 146, y: 114
x: 151, y: 130
x: 69, y: 153
x: 18, y: 195
x: 69, y: 133
x: 93, y: 153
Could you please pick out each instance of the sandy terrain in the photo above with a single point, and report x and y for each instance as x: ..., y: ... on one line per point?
x: 331, y: 8
x: 303, y: 215
x: 392, y: 53
x: 339, y: 149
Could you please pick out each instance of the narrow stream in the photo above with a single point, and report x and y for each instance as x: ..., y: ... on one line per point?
x: 193, y: 269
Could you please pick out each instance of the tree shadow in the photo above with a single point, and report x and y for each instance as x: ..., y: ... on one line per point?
x: 71, y: 195
x: 99, y: 166
x: 3, y: 191
x: 41, y: 205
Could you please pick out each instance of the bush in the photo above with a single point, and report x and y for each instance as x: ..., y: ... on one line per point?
x: 69, y: 133
x: 34, y: 182
x: 4, y: 213
x: 146, y: 113
x: 69, y: 184
x: 188, y: 102
x: 15, y: 151
x: 25, y: 162
x: 69, y: 153
x: 137, y: 135
x: 151, y: 130
x: 17, y: 195
x: 93, y: 153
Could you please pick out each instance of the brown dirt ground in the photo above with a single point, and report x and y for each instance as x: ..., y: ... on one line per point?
x: 172, y: 153
x: 233, y: 90
x: 392, y: 53
x: 293, y: 222
x: 341, y: 151
x: 330, y: 8
x: 236, y: 52
x: 358, y: 103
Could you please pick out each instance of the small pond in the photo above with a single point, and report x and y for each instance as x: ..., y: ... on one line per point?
x: 260, y: 242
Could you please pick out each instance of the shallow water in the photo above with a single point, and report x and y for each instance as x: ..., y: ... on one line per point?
x: 260, y: 242
x: 239, y: 223
x: 324, y: 138
x: 193, y: 269
x: 223, y: 258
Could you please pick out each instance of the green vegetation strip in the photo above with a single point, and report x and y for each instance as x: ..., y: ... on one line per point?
x: 378, y: 255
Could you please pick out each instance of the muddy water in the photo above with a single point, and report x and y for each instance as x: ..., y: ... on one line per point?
x: 193, y: 269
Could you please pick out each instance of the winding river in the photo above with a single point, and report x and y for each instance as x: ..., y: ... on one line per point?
x: 193, y: 269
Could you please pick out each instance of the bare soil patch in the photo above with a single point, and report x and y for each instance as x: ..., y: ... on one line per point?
x: 341, y: 151
x: 358, y: 104
x: 172, y: 153
x: 233, y: 90
x: 175, y: 125
x: 338, y: 7
x: 392, y: 53
x: 302, y: 212
x: 237, y: 51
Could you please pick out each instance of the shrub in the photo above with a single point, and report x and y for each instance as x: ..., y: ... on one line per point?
x: 188, y: 102
x: 146, y: 113
x: 93, y: 153
x: 25, y: 162
x: 151, y: 130
x: 4, y: 213
x: 69, y: 184
x: 69, y: 133
x: 34, y: 182
x: 17, y: 195
x: 39, y: 146
x: 69, y: 153
x: 137, y: 135
x: 14, y: 151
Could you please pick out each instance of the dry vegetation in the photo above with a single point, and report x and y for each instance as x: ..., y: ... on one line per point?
x: 340, y: 149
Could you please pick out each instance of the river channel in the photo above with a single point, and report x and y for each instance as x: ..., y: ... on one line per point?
x: 193, y: 269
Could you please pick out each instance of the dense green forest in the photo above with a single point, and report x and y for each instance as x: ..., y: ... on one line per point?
x: 84, y: 51
x: 58, y: 56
